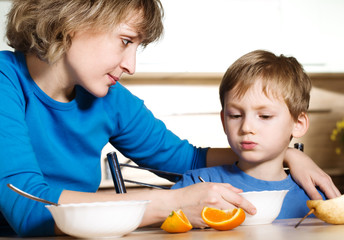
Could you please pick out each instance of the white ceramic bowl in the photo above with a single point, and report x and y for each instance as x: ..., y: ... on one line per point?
x: 268, y: 205
x: 99, y: 219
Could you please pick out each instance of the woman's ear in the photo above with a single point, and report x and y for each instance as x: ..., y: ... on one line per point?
x: 301, y: 125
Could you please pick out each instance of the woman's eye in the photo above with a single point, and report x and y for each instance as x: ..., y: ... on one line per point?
x: 126, y: 41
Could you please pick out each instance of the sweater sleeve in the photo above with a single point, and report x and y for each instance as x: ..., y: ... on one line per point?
x: 187, y: 180
x: 18, y: 165
x: 146, y: 140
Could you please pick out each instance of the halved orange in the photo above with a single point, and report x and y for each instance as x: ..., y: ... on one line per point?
x: 176, y: 222
x: 223, y: 219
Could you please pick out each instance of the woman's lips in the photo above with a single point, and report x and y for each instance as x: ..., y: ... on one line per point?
x: 113, y: 79
x: 247, y: 145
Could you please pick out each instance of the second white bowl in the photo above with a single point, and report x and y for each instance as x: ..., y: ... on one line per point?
x: 267, y: 203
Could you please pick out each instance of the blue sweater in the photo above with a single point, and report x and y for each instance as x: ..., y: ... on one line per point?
x: 49, y: 146
x: 294, y: 205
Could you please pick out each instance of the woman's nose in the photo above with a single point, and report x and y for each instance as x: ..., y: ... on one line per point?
x: 128, y: 63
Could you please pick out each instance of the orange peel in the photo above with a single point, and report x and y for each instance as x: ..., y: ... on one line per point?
x: 176, y: 222
x: 223, y: 219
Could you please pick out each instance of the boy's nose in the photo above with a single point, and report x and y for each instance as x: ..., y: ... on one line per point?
x: 247, y: 126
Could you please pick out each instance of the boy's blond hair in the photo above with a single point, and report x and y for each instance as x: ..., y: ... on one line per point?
x: 45, y: 27
x: 281, y: 76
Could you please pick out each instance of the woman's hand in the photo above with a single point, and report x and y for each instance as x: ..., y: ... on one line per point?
x: 190, y: 199
x: 308, y: 175
x: 193, y: 198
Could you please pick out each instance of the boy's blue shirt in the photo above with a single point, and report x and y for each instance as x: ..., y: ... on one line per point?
x: 48, y: 146
x: 294, y: 205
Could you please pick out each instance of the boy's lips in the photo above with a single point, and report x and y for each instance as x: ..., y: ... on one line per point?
x: 113, y: 79
x: 248, y: 145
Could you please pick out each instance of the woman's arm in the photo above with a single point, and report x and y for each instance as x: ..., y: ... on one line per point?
x: 190, y: 199
x: 220, y: 156
x: 308, y: 175
x: 304, y: 171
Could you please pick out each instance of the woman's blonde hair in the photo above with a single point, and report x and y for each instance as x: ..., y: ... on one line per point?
x: 281, y: 76
x: 45, y: 27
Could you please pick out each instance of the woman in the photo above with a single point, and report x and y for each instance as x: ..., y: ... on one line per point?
x: 61, y: 102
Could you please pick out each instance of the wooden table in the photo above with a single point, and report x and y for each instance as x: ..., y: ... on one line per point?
x: 312, y: 229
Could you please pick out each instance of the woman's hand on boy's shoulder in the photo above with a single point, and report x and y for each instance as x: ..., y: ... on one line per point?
x: 309, y: 176
x: 321, y: 180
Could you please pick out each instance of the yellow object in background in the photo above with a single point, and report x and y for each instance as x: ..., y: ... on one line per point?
x: 338, y: 137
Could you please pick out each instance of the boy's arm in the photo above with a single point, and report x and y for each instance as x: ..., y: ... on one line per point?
x: 304, y: 171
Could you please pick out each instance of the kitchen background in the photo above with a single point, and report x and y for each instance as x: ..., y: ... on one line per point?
x: 178, y: 77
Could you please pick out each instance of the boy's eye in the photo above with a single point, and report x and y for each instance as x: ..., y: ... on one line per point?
x: 234, y: 116
x: 265, y: 116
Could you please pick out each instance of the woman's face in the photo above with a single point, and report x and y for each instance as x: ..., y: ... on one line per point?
x: 96, y: 60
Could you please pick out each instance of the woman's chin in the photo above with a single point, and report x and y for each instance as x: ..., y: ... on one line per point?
x: 100, y: 93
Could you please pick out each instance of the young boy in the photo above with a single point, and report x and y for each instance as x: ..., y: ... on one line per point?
x: 264, y: 102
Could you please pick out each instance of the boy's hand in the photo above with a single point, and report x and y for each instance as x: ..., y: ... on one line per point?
x: 308, y: 175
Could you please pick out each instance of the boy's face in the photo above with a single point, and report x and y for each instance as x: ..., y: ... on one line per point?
x: 258, y: 128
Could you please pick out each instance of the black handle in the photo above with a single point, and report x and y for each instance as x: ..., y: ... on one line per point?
x: 116, y: 173
x: 299, y: 146
x: 152, y: 170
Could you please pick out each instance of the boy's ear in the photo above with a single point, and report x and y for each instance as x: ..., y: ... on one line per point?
x: 301, y: 125
x: 223, y: 121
